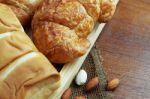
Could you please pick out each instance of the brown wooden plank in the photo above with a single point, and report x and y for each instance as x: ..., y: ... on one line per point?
x: 125, y: 47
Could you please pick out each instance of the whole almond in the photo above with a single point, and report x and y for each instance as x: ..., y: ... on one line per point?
x: 67, y: 94
x: 79, y: 97
x: 92, y: 84
x: 113, y: 84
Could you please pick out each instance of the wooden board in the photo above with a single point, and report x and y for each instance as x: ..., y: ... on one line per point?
x: 70, y: 70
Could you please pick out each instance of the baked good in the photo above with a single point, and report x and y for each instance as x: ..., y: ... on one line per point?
x: 60, y: 27
x: 25, y: 73
x: 24, y: 9
x: 107, y: 10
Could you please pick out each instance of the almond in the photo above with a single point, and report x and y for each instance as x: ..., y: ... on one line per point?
x: 79, y: 97
x: 113, y: 84
x: 92, y: 84
x: 67, y: 94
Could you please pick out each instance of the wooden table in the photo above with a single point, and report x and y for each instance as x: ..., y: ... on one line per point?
x: 125, y: 47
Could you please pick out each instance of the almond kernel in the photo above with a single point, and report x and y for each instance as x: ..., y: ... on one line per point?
x: 113, y: 84
x: 92, y: 84
x: 79, y: 97
x: 67, y: 94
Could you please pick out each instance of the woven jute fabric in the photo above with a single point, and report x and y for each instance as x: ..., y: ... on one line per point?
x: 93, y: 67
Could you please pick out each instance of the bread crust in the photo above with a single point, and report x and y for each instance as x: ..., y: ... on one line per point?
x: 24, y: 9
x: 61, y: 27
x: 25, y: 73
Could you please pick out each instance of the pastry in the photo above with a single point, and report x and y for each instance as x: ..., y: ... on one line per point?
x: 25, y: 73
x: 60, y: 27
x: 24, y: 9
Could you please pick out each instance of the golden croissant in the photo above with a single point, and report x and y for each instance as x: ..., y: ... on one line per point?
x: 60, y: 27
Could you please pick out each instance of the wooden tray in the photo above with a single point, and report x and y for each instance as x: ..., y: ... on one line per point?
x: 69, y: 70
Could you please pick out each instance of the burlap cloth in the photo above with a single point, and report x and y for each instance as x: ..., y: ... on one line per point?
x: 93, y: 67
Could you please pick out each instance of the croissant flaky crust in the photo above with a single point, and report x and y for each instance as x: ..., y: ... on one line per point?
x: 24, y: 9
x: 107, y: 10
x: 60, y: 27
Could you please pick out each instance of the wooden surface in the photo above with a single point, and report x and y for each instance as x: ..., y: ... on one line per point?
x: 125, y: 47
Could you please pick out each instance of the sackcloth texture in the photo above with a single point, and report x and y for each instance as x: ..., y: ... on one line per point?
x: 93, y: 66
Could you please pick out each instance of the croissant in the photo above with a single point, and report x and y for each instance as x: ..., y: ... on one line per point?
x: 23, y: 9
x: 60, y: 27
x: 25, y: 73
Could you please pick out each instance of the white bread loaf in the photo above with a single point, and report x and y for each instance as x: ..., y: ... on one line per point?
x: 8, y: 20
x: 13, y: 45
x: 25, y: 73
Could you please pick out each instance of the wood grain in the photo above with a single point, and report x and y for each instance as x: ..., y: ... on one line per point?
x: 125, y: 47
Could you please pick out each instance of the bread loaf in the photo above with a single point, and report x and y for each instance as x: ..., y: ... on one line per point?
x: 25, y: 73
x: 23, y: 9
x: 60, y: 27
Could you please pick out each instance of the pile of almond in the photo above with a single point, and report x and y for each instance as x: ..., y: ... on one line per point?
x: 90, y: 85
